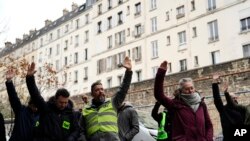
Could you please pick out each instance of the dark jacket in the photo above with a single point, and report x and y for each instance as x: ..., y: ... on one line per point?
x: 25, y: 119
x: 2, y: 128
x: 229, y: 117
x: 158, y: 118
x: 51, y: 123
x: 187, y: 125
x: 128, y: 122
x: 117, y: 101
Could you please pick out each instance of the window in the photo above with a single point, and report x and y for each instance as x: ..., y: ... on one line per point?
x: 182, y: 37
x: 137, y: 9
x: 66, y: 28
x: 109, y: 42
x: 119, y: 78
x: 99, y: 25
x: 119, y: 1
x: 154, y: 46
x: 136, y: 54
x: 85, y: 73
x: 51, y: 36
x: 168, y: 40
x: 40, y: 57
x: 246, y: 50
x: 138, y: 30
x: 57, y: 49
x: 109, y: 22
x: 192, y: 5
x: 211, y: 5
x: 138, y: 74
x: 109, y: 63
x: 109, y: 4
x: 66, y: 45
x: 86, y: 18
x: 99, y: 9
x: 128, y: 10
x: 50, y: 51
x: 76, y: 58
x: 65, y: 61
x: 167, y: 16
x: 169, y: 67
x: 58, y: 33
x: 57, y: 65
x: 213, y: 31
x: 85, y: 54
x: 245, y: 24
x: 121, y: 57
x: 65, y: 77
x: 71, y: 40
x: 215, y: 57
x: 109, y: 82
x: 154, y: 71
x: 183, y: 65
x: 180, y: 12
x: 196, y: 61
x: 76, y: 40
x: 120, y: 18
x: 86, y: 36
x: 120, y: 38
x: 153, y: 4
x: 33, y: 59
x: 154, y: 24
x: 194, y: 32
x: 77, y: 23
x: 76, y: 77
x: 41, y: 42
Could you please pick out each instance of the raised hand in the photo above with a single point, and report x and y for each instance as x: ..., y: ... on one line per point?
x: 216, y: 78
x: 10, y: 74
x: 225, y: 87
x: 164, y: 65
x: 31, y: 69
x: 127, y: 64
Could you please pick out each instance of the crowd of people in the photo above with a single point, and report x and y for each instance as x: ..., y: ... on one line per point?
x: 184, y: 118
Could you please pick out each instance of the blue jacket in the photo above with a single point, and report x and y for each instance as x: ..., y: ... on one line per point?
x: 25, y: 119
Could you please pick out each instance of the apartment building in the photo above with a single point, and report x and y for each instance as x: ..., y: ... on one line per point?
x: 87, y: 43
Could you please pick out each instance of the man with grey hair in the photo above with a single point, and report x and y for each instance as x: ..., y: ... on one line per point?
x: 189, y: 114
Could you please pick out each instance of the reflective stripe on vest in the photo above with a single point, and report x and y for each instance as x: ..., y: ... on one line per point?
x: 162, y: 134
x: 103, y: 120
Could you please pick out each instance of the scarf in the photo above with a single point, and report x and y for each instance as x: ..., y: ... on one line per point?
x: 193, y: 100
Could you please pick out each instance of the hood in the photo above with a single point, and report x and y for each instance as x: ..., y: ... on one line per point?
x: 125, y: 105
x: 52, y: 103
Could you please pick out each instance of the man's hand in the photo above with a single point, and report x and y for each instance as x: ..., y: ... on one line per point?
x: 31, y: 69
x: 10, y: 74
x: 164, y: 65
x: 225, y: 87
x: 216, y: 78
x: 127, y: 64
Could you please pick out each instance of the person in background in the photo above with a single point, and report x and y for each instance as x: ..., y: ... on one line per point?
x: 26, y: 117
x: 188, y: 111
x: 58, y: 121
x: 2, y: 129
x: 100, y: 118
x: 128, y: 122
x: 163, y: 122
x: 229, y: 117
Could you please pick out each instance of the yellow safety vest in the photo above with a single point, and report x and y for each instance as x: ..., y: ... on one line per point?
x: 103, y: 119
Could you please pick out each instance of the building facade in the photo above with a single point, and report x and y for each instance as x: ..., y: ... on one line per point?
x: 87, y: 43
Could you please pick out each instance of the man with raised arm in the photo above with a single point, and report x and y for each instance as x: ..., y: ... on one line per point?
x: 100, y: 118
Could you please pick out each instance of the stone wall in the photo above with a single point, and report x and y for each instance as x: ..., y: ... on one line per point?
x: 235, y: 73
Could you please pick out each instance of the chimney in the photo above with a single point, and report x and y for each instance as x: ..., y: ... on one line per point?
x: 32, y: 31
x: 25, y: 36
x: 47, y: 22
x: 74, y: 6
x: 65, y: 12
x: 18, y: 40
x: 8, y: 44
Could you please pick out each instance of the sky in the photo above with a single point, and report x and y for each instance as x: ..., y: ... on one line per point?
x: 17, y: 17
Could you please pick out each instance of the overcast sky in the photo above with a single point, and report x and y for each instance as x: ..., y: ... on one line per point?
x: 19, y: 16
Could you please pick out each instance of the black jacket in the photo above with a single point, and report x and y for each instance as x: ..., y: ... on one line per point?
x: 128, y: 122
x: 2, y: 128
x: 52, y: 121
x: 158, y: 117
x: 25, y: 119
x: 228, y: 116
